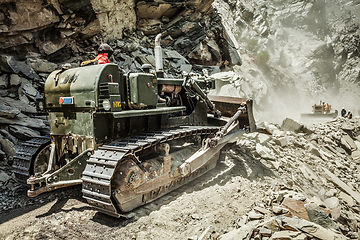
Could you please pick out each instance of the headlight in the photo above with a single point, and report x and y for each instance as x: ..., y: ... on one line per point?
x: 41, y: 105
x: 106, y: 105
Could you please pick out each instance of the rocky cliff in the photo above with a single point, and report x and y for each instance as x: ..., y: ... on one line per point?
x: 62, y: 29
x: 295, y: 53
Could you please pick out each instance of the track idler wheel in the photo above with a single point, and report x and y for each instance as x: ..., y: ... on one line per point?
x: 41, y: 161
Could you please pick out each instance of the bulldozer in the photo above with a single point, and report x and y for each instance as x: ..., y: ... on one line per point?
x: 128, y: 138
x: 321, y: 111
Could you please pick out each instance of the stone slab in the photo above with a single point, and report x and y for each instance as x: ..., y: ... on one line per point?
x: 296, y: 208
x: 348, y: 199
x: 331, y: 177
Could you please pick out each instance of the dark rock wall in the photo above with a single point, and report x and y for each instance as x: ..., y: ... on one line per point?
x: 62, y: 29
x: 48, y: 27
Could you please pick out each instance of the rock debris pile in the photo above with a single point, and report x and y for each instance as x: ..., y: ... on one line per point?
x: 301, y: 182
x: 317, y: 195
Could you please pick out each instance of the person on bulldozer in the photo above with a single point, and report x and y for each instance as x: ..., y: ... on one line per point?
x: 104, y: 53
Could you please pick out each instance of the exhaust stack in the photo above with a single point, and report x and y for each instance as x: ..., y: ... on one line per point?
x: 158, y: 57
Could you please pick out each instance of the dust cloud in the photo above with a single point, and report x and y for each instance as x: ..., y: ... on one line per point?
x: 301, y: 55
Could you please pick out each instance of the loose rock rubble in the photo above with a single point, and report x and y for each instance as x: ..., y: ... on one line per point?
x: 264, y: 187
x: 317, y: 193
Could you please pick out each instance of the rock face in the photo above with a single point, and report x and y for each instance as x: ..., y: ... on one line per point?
x: 22, y: 17
x: 112, y: 17
x: 300, y: 51
x: 61, y: 29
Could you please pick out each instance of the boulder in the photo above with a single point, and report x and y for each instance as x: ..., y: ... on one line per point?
x: 317, y: 215
x: 241, y: 233
x: 8, y: 112
x: 19, y: 105
x: 348, y: 199
x: 336, y: 213
x: 175, y: 58
x: 299, y: 196
x: 51, y: 47
x: 172, y: 54
x: 92, y: 29
x: 185, y: 67
x: 347, y: 127
x: 261, y: 210
x: 340, y: 150
x: 310, y: 228
x: 200, y: 54
x: 215, y: 50
x: 331, y: 202
x: 23, y: 17
x: 343, y: 186
x: 233, y: 52
x: 146, y: 59
x: 252, y: 215
x: 348, y: 143
x: 278, y: 133
x: 4, y: 177
x: 356, y: 156
x: 4, y: 81
x: 263, y: 138
x: 10, y: 65
x: 8, y: 147
x: 296, y: 207
x: 312, y: 149
x: 15, y: 80
x: 331, y: 193
x: 279, y: 210
x: 24, y: 100
x: 23, y: 133
x: 292, y: 125
x: 30, y: 92
x: 7, y: 135
x: 40, y: 65
x: 252, y: 135
x: 282, y: 141
x: 24, y: 121
x: 274, y: 224
x: 264, y: 152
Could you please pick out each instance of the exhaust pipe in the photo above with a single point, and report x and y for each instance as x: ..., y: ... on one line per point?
x: 158, y: 57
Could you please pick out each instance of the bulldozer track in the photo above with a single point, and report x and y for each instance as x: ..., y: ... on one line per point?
x: 155, y: 205
x: 24, y: 154
x: 100, y: 168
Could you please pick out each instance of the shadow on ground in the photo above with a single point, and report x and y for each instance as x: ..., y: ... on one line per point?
x: 229, y: 165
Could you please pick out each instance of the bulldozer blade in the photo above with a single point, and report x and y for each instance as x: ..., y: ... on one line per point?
x: 228, y: 106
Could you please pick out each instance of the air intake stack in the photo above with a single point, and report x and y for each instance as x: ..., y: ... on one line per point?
x: 158, y: 57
